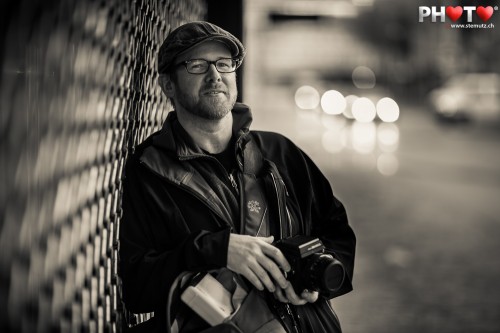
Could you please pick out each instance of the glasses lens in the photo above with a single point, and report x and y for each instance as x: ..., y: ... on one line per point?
x: 197, y: 66
x: 200, y: 66
x: 225, y: 65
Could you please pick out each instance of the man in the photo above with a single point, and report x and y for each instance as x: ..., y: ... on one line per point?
x: 207, y: 194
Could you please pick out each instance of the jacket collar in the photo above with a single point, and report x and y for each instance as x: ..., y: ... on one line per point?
x: 184, y: 147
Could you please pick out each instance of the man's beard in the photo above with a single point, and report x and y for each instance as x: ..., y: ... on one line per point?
x: 207, y: 108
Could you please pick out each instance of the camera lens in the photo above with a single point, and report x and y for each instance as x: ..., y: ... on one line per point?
x: 326, y: 273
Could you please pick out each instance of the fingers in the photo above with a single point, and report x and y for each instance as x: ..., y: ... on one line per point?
x: 263, y: 277
x: 274, y: 253
x: 280, y: 295
x: 253, y: 279
x: 275, y: 272
x: 257, y: 260
x: 268, y: 240
x: 309, y: 296
x: 289, y: 296
x: 293, y: 297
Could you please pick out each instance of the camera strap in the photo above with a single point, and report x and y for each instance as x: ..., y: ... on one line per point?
x: 286, y: 314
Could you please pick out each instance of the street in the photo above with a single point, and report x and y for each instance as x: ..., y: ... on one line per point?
x: 427, y: 223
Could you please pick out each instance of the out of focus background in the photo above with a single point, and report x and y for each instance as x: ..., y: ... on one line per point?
x: 398, y: 104
x: 403, y: 118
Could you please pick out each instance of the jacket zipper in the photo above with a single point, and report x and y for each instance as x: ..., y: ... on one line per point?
x: 233, y: 182
x: 229, y: 175
x: 231, y: 179
x: 292, y: 316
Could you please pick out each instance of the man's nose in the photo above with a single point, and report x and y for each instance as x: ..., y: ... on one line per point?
x: 213, y: 74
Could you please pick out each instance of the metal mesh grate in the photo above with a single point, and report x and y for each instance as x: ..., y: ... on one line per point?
x: 78, y: 92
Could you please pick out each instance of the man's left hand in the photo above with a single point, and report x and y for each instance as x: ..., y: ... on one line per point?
x: 288, y: 295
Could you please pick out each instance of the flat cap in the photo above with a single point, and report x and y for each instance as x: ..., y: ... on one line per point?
x: 191, y: 34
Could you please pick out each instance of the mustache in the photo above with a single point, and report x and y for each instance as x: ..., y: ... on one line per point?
x: 214, y: 88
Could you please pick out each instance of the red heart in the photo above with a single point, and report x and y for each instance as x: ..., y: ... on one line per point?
x: 484, y: 13
x: 454, y: 12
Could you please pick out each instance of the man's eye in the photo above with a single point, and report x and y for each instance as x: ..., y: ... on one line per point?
x: 197, y: 64
x: 224, y: 64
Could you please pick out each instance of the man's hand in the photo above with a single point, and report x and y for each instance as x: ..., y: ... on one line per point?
x: 288, y: 295
x: 257, y: 260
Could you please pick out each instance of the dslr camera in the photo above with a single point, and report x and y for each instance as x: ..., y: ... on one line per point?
x: 311, y: 268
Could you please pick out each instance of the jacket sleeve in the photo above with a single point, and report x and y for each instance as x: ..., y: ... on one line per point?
x: 329, y: 222
x: 321, y: 213
x: 155, y: 243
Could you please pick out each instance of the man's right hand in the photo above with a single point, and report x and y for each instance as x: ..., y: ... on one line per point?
x: 257, y: 260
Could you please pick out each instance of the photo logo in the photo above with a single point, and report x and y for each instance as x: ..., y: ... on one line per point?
x: 484, y: 12
x: 454, y: 13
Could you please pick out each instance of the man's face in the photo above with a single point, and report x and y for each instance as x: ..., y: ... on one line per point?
x: 210, y: 95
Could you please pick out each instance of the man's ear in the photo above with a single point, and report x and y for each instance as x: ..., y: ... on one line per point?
x: 166, y: 84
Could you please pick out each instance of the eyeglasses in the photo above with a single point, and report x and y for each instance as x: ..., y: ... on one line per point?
x: 201, y: 66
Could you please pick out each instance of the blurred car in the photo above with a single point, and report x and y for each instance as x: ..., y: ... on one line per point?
x: 468, y: 97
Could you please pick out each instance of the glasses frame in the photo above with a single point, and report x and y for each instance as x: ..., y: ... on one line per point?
x: 185, y: 64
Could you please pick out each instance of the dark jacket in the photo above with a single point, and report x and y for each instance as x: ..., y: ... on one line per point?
x: 173, y: 221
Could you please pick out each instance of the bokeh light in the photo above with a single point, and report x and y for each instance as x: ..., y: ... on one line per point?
x: 333, y: 102
x: 364, y: 137
x: 387, y: 164
x: 388, y: 137
x: 333, y: 141
x: 388, y: 110
x: 307, y: 98
x: 363, y: 77
x: 333, y: 122
x: 363, y: 110
x: 348, y: 109
x: 447, y: 104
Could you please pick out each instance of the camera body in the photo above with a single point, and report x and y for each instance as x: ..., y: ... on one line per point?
x: 311, y: 268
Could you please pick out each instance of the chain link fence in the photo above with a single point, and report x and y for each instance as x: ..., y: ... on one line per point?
x: 78, y: 93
